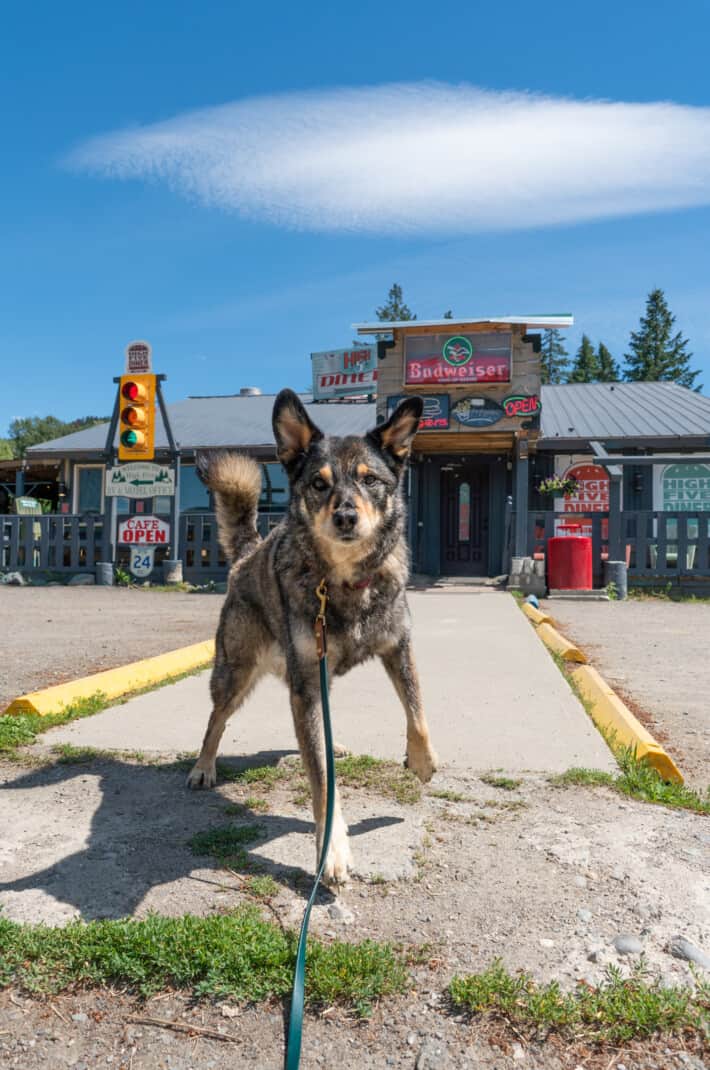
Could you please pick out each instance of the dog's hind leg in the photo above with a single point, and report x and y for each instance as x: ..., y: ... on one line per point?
x: 229, y: 686
x: 400, y: 667
x: 309, y: 732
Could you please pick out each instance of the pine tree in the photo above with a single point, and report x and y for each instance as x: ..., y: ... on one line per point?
x: 448, y: 315
x: 553, y: 357
x: 656, y: 353
x: 608, y: 368
x: 586, y: 366
x: 395, y: 309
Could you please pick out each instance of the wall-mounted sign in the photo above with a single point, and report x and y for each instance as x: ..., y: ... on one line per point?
x: 141, y: 479
x: 477, y: 412
x: 139, y: 358
x: 339, y: 373
x: 144, y: 531
x: 592, y: 496
x: 436, y: 410
x: 458, y: 358
x: 522, y: 405
x: 683, y: 488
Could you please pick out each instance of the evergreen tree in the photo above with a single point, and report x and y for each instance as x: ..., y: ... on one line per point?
x: 608, y: 368
x: 586, y: 366
x: 30, y: 430
x: 656, y: 353
x: 395, y: 309
x: 553, y: 357
x: 448, y: 315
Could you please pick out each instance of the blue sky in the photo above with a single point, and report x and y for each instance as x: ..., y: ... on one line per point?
x: 269, y: 226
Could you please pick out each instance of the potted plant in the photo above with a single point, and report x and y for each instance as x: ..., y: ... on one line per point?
x: 558, y: 486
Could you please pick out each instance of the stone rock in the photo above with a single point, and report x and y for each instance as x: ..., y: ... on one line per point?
x: 545, y: 942
x: 14, y: 579
x: 81, y: 1017
x: 82, y: 579
x: 584, y: 915
x: 681, y: 948
x: 338, y: 912
x: 627, y: 944
x: 518, y: 1051
x: 432, y: 1056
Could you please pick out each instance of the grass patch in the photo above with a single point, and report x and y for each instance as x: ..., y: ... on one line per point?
x: 262, y: 886
x: 266, y: 776
x: 450, y: 796
x: 639, y: 781
x: 239, y: 955
x: 374, y: 774
x: 68, y: 754
x: 506, y: 783
x: 618, y: 1010
x: 226, y: 844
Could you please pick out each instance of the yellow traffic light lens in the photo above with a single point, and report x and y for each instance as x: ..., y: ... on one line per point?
x: 132, y: 416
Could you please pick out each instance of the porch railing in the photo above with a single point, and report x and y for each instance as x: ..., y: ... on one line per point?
x: 199, y: 548
x: 51, y: 543
x: 654, y: 544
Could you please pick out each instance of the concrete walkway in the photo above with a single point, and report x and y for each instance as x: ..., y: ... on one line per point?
x: 494, y: 700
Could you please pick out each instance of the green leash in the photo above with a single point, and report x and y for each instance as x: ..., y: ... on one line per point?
x: 295, y: 1025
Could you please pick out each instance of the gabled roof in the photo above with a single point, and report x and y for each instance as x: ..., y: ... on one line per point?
x: 232, y: 422
x: 561, y: 319
x: 639, y: 413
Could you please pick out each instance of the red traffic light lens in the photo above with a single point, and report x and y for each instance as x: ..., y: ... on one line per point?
x: 133, y: 391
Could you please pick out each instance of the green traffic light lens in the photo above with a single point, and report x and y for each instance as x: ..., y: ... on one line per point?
x: 129, y: 438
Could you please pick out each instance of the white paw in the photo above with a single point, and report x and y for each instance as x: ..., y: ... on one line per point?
x: 339, y: 859
x: 422, y: 761
x: 200, y: 777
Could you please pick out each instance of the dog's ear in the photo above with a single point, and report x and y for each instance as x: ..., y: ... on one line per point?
x: 293, y: 429
x: 394, y: 438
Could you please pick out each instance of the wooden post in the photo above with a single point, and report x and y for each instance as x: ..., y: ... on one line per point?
x: 522, y: 467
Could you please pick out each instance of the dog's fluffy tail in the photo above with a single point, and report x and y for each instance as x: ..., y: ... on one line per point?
x: 235, y: 481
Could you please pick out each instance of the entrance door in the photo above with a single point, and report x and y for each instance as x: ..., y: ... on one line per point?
x: 464, y: 520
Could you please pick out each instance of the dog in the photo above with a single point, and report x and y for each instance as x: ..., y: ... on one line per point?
x: 345, y: 525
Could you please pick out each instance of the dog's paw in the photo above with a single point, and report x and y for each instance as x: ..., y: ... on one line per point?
x: 341, y: 751
x: 422, y: 761
x: 338, y: 860
x: 200, y: 777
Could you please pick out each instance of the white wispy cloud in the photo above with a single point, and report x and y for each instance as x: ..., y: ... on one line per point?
x: 420, y: 158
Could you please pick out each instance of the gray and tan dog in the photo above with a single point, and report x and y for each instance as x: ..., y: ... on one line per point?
x: 344, y: 524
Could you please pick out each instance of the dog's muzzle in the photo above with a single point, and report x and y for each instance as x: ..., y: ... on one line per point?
x: 345, y: 521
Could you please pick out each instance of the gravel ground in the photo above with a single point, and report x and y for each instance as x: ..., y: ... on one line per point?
x: 544, y: 877
x: 53, y: 634
x: 655, y: 653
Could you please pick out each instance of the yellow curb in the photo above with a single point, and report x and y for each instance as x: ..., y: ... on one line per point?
x: 557, y: 642
x: 614, y: 717
x: 535, y: 615
x: 116, y: 682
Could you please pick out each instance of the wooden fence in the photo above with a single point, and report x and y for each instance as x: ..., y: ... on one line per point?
x: 51, y: 543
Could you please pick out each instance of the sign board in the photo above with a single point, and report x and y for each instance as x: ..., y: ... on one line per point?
x: 458, y: 359
x: 141, y: 561
x: 592, y: 496
x: 436, y: 410
x: 339, y: 373
x: 682, y: 488
x: 140, y: 479
x: 141, y: 530
x: 139, y: 358
x: 477, y: 412
x: 522, y: 405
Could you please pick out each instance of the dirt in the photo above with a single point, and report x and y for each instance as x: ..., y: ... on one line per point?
x: 541, y: 876
x: 655, y: 653
x: 88, y: 629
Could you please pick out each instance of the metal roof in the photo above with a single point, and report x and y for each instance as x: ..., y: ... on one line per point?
x: 642, y: 413
x: 232, y: 422
x: 562, y: 319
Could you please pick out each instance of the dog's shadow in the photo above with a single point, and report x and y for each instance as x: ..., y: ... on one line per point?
x: 139, y: 837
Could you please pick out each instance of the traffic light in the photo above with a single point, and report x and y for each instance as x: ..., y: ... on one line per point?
x: 137, y: 418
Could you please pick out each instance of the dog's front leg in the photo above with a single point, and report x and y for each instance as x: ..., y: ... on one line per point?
x: 309, y: 732
x: 399, y: 664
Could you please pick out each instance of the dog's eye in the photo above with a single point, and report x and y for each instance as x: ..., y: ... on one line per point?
x: 319, y: 483
x: 370, y: 480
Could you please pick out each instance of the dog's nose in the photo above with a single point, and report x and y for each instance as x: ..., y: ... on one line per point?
x: 345, y: 518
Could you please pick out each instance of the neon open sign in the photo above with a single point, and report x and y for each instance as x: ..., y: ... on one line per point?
x: 522, y: 405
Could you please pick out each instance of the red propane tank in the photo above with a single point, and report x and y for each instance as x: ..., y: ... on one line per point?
x: 569, y: 563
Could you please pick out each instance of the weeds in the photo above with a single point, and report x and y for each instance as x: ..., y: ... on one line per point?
x: 22, y: 729
x: 226, y: 844
x: 374, y: 774
x: 616, y: 1011
x: 506, y: 783
x: 450, y: 796
x: 639, y: 781
x: 239, y: 955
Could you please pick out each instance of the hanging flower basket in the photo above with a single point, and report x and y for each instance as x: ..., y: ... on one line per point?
x: 558, y: 487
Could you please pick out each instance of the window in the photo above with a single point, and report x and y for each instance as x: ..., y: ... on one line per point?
x: 464, y: 512
x: 88, y: 495
x: 274, y: 489
x: 194, y: 495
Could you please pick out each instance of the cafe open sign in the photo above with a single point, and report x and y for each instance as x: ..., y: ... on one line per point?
x: 444, y: 359
x: 144, y: 531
